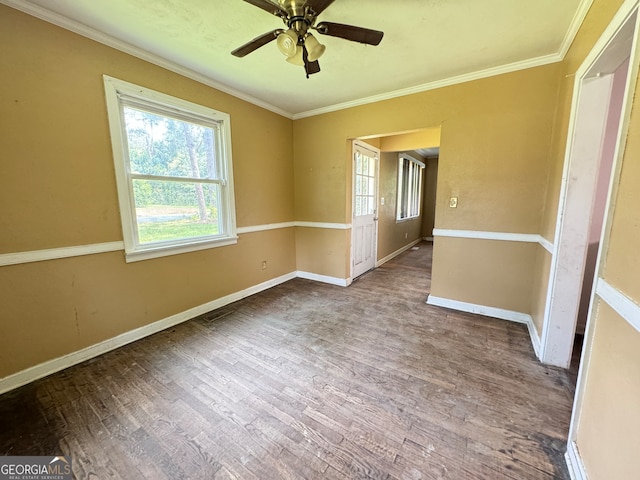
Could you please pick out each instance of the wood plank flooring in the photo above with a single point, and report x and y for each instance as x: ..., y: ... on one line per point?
x: 309, y: 380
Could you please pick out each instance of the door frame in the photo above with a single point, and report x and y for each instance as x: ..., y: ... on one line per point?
x: 365, y: 146
x: 567, y: 268
x: 621, y: 19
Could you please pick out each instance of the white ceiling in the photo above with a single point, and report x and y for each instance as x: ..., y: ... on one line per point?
x: 427, y: 43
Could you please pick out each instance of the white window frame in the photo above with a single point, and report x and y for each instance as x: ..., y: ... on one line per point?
x: 118, y: 93
x: 413, y: 205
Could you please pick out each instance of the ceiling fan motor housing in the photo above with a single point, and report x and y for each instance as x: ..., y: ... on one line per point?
x: 297, y: 43
x: 295, y: 8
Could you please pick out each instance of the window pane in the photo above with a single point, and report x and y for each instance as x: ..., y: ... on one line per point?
x: 164, y: 146
x: 409, y: 183
x: 372, y: 167
x: 169, y: 211
x: 358, y: 163
x: 372, y: 205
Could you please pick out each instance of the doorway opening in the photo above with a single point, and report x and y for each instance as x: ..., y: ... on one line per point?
x: 595, y: 131
x: 395, y: 229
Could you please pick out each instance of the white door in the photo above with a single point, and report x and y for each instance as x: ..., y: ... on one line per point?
x: 365, y: 214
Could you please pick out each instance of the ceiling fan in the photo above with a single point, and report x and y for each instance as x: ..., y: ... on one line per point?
x: 297, y: 43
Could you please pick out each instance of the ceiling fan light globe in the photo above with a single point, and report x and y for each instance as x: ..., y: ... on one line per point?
x: 288, y: 43
x: 297, y: 58
x: 314, y: 48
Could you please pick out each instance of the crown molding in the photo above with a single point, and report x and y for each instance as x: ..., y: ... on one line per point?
x: 467, y: 77
x: 108, y: 40
x: 575, y: 25
x: 93, y: 34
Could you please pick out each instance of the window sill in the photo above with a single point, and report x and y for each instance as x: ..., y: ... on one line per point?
x: 402, y: 220
x: 166, y: 250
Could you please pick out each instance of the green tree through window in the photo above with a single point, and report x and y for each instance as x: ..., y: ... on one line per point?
x: 175, y: 167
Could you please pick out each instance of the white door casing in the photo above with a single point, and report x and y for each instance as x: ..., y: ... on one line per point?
x: 588, y: 129
x: 364, y: 233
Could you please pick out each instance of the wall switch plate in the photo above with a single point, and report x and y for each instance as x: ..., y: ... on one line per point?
x: 453, y: 202
x: 381, y: 200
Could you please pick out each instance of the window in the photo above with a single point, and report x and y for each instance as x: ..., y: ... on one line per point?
x: 409, y: 187
x: 173, y: 170
x: 365, y: 182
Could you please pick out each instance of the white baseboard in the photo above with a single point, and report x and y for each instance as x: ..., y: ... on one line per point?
x: 341, y: 282
x: 500, y: 313
x: 51, y: 366
x: 574, y: 462
x: 397, y: 252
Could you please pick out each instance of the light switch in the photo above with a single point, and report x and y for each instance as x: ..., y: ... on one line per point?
x: 453, y: 202
x: 381, y: 200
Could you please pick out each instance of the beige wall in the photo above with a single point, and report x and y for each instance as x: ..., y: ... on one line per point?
x: 473, y: 271
x: 429, y: 197
x: 607, y: 409
x: 600, y: 15
x: 315, y: 255
x: 609, y: 428
x: 423, y: 138
x: 539, y: 287
x: 609, y: 422
x: 57, y: 189
x: 494, y: 144
x: 392, y: 234
x: 502, y: 150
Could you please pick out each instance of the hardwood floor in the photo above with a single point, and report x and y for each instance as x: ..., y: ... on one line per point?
x: 308, y: 380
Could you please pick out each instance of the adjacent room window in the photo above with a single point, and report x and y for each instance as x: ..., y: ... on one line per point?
x: 173, y: 170
x: 409, y: 187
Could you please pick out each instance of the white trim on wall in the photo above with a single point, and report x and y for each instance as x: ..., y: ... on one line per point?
x: 80, y: 250
x: 502, y: 236
x: 623, y: 305
x: 574, y: 462
x: 494, y: 312
x: 61, y: 252
x: 340, y: 282
x: 51, y: 366
x: 100, y: 37
x: 397, y: 252
x: 546, y: 244
x: 264, y: 228
x: 88, y: 32
x: 572, y: 31
x: 467, y: 77
x: 334, y: 226
x: 482, y: 235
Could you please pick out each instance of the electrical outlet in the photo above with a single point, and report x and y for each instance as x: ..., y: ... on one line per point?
x: 264, y: 264
x: 453, y: 202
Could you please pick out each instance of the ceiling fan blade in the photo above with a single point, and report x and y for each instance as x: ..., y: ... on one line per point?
x: 267, y: 6
x: 319, y: 6
x: 309, y: 67
x: 256, y: 43
x: 349, y: 32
